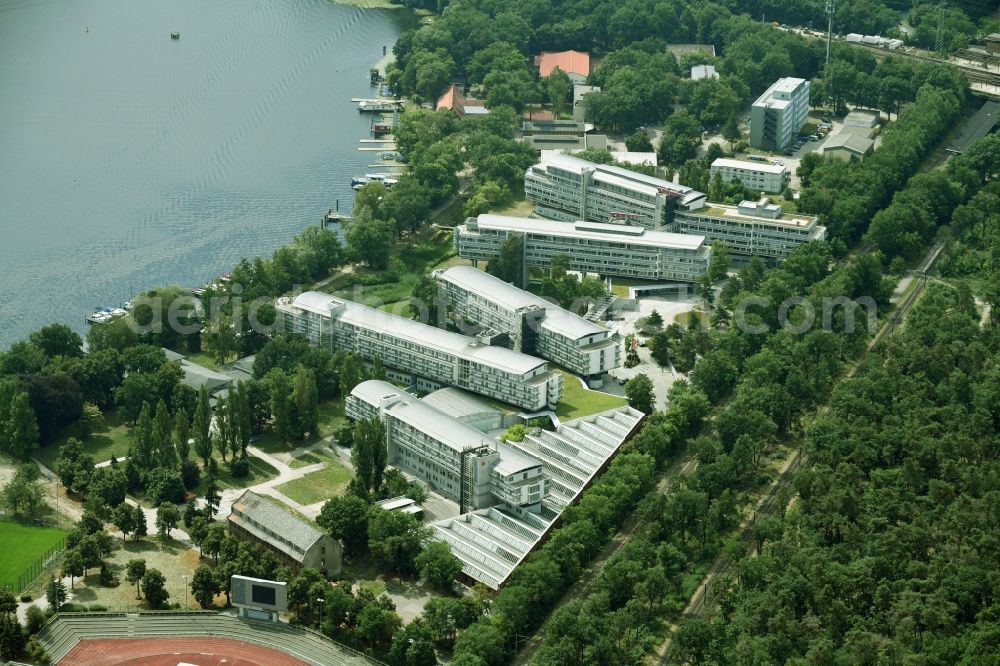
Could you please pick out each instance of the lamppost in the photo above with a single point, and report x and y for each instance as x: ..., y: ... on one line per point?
x: 320, y: 601
x: 185, y: 590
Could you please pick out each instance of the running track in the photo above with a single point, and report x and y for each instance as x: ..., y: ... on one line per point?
x: 174, y: 652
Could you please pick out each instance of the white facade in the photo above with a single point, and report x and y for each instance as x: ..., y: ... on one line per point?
x: 533, y: 324
x: 566, y: 187
x: 778, y: 115
x: 454, y: 458
x: 757, y: 176
x: 604, y: 249
x: 437, y: 358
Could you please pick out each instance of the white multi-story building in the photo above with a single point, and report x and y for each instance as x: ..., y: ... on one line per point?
x: 592, y: 247
x: 758, y: 176
x: 458, y: 461
x: 533, y: 325
x: 778, y: 115
x: 566, y: 187
x: 509, y: 493
x: 752, y: 228
x: 426, y: 356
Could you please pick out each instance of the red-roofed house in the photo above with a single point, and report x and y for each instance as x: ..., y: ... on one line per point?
x: 574, y: 63
x: 454, y: 99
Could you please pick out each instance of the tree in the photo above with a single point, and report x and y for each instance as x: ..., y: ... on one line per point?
x: 55, y: 594
x: 731, y: 131
x: 369, y: 241
x: 134, y: 571
x: 306, y: 402
x: 376, y: 625
x: 201, y: 427
x: 718, y: 268
x: 509, y: 266
x: 167, y: 517
x: 368, y: 454
x: 438, y: 565
x: 639, y: 143
x: 57, y: 340
x: 204, y: 586
x: 153, y: 588
x: 639, y: 391
x: 413, y: 645
x: 345, y: 517
x: 124, y: 519
x: 91, y: 419
x: 21, y: 431
x: 140, y: 522
x: 281, y: 405
x: 24, y: 493
x: 73, y: 565
x: 182, y: 434
x: 558, y: 87
x: 394, y: 538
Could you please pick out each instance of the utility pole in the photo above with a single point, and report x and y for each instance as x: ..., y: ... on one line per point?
x: 939, y: 41
x: 831, y: 7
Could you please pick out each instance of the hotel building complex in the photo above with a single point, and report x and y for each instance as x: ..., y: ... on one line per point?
x: 425, y: 356
x: 568, y: 188
x: 592, y: 247
x: 532, y: 324
x: 508, y: 493
x: 778, y: 115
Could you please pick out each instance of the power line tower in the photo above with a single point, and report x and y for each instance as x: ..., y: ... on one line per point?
x: 831, y: 8
x: 939, y: 41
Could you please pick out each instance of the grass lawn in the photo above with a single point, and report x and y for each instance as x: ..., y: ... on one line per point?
x: 111, y: 439
x: 172, y: 558
x: 260, y: 471
x: 331, y: 417
x: 318, y: 486
x: 202, y: 358
x: 685, y: 318
x: 306, y: 459
x: 578, y: 401
x: 519, y: 208
x: 619, y: 286
x: 31, y: 544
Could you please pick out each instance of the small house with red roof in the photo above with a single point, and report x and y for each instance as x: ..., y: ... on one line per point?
x: 574, y: 63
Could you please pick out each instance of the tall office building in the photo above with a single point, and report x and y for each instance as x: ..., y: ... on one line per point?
x: 422, y: 355
x: 778, y: 115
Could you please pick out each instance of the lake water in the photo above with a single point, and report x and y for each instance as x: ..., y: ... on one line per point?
x: 130, y: 160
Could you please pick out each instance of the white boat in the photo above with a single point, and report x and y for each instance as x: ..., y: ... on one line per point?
x: 378, y: 105
x: 104, y: 315
x: 360, y: 181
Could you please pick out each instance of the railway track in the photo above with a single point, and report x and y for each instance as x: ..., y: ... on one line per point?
x: 723, y: 569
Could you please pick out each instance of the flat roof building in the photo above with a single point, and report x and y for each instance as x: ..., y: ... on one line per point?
x: 456, y: 460
x: 758, y: 228
x: 567, y: 188
x: 293, y: 540
x: 778, y: 115
x: 592, y: 247
x: 533, y: 325
x: 509, y: 493
x: 427, y: 356
x: 758, y: 176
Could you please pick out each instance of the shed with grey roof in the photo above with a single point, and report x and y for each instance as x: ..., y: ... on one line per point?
x: 293, y: 540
